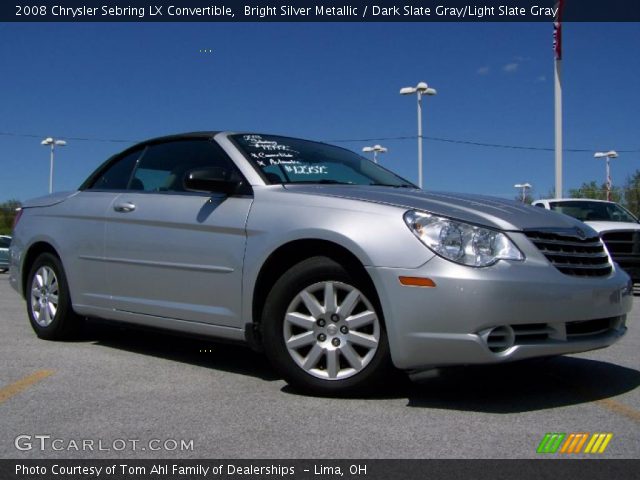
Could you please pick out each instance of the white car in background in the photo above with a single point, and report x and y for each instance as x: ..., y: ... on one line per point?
x: 5, y: 242
x: 617, y: 227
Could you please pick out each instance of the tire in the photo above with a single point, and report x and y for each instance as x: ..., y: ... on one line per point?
x: 49, y: 302
x: 323, y: 330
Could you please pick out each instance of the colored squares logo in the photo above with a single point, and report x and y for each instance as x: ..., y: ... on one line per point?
x: 598, y: 443
x: 551, y: 442
x: 574, y: 443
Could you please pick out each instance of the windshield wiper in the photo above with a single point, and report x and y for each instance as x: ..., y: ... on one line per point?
x: 323, y: 181
x: 394, y: 185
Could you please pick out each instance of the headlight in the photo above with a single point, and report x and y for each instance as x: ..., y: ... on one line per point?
x: 461, y: 242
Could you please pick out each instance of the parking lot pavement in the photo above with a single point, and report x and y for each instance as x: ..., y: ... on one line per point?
x: 134, y: 389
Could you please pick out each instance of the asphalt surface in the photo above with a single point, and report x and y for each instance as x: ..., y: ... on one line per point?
x: 117, y: 387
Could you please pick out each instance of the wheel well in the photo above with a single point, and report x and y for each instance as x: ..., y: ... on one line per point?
x: 34, y: 252
x: 294, y: 252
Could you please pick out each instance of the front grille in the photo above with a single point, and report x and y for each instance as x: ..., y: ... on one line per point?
x: 500, y: 339
x: 531, y: 333
x: 625, y: 242
x: 572, y: 255
x: 588, y: 327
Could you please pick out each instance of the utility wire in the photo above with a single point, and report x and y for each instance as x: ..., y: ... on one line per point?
x: 355, y: 140
x: 477, y: 144
x: 87, y: 139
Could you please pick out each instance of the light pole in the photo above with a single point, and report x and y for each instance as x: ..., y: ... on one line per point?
x: 524, y: 187
x: 608, y: 156
x: 375, y: 149
x: 53, y: 143
x: 421, y: 89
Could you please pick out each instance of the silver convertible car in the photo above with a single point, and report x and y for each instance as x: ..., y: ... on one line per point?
x: 341, y: 271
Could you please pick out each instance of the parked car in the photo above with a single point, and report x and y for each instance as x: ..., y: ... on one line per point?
x: 618, y: 227
x: 339, y: 269
x: 5, y: 241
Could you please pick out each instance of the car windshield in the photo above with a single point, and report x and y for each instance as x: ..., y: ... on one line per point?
x: 292, y: 161
x: 587, y: 211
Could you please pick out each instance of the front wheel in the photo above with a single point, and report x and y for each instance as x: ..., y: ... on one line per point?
x: 323, y: 330
x: 48, y: 300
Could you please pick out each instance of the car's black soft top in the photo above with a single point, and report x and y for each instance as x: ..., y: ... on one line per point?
x: 177, y: 136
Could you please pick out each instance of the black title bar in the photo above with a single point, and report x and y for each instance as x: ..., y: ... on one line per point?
x: 317, y: 11
x: 123, y: 469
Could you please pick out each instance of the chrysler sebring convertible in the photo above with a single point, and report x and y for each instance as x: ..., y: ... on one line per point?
x: 339, y: 270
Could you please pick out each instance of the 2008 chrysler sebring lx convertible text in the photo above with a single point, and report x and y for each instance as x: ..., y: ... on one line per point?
x: 335, y: 266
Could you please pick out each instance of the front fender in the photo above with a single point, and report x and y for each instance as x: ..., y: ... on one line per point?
x: 375, y: 234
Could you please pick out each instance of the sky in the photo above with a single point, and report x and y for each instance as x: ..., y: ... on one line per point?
x: 113, y: 84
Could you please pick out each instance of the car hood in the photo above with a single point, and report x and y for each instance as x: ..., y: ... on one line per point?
x: 610, y: 226
x: 478, y: 209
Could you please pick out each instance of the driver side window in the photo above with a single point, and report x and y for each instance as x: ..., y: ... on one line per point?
x: 163, y: 167
x: 118, y: 174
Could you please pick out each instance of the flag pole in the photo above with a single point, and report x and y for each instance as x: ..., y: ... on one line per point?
x: 558, y: 126
x: 557, y: 47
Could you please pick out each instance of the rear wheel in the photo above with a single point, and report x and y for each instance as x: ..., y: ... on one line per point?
x: 323, y: 329
x: 48, y: 300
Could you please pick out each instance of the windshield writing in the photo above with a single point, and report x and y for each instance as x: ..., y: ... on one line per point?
x: 290, y: 160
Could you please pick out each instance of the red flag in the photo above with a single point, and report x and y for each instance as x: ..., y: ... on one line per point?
x: 557, y: 30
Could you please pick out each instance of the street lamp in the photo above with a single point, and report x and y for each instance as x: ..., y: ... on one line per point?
x: 375, y: 149
x: 607, y: 155
x: 53, y: 143
x: 524, y: 187
x: 421, y: 89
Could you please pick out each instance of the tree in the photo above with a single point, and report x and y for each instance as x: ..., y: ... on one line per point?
x: 632, y: 193
x: 528, y: 199
x: 595, y: 191
x: 8, y: 211
x: 551, y: 193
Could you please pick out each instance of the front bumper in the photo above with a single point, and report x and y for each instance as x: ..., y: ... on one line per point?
x: 541, y: 311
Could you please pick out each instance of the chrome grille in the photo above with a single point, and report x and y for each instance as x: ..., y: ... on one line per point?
x: 623, y: 242
x: 572, y: 255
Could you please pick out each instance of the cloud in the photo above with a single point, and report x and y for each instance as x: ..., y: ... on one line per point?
x: 483, y: 71
x: 541, y: 78
x: 510, y: 67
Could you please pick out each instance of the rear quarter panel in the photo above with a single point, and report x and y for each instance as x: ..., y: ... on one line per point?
x: 75, y: 230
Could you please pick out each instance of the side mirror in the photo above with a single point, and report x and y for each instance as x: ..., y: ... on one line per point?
x: 212, y: 180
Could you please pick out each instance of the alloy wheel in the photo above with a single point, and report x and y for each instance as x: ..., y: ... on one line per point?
x: 331, y: 330
x: 44, y: 296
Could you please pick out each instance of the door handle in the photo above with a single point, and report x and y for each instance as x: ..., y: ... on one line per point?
x: 124, y: 207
